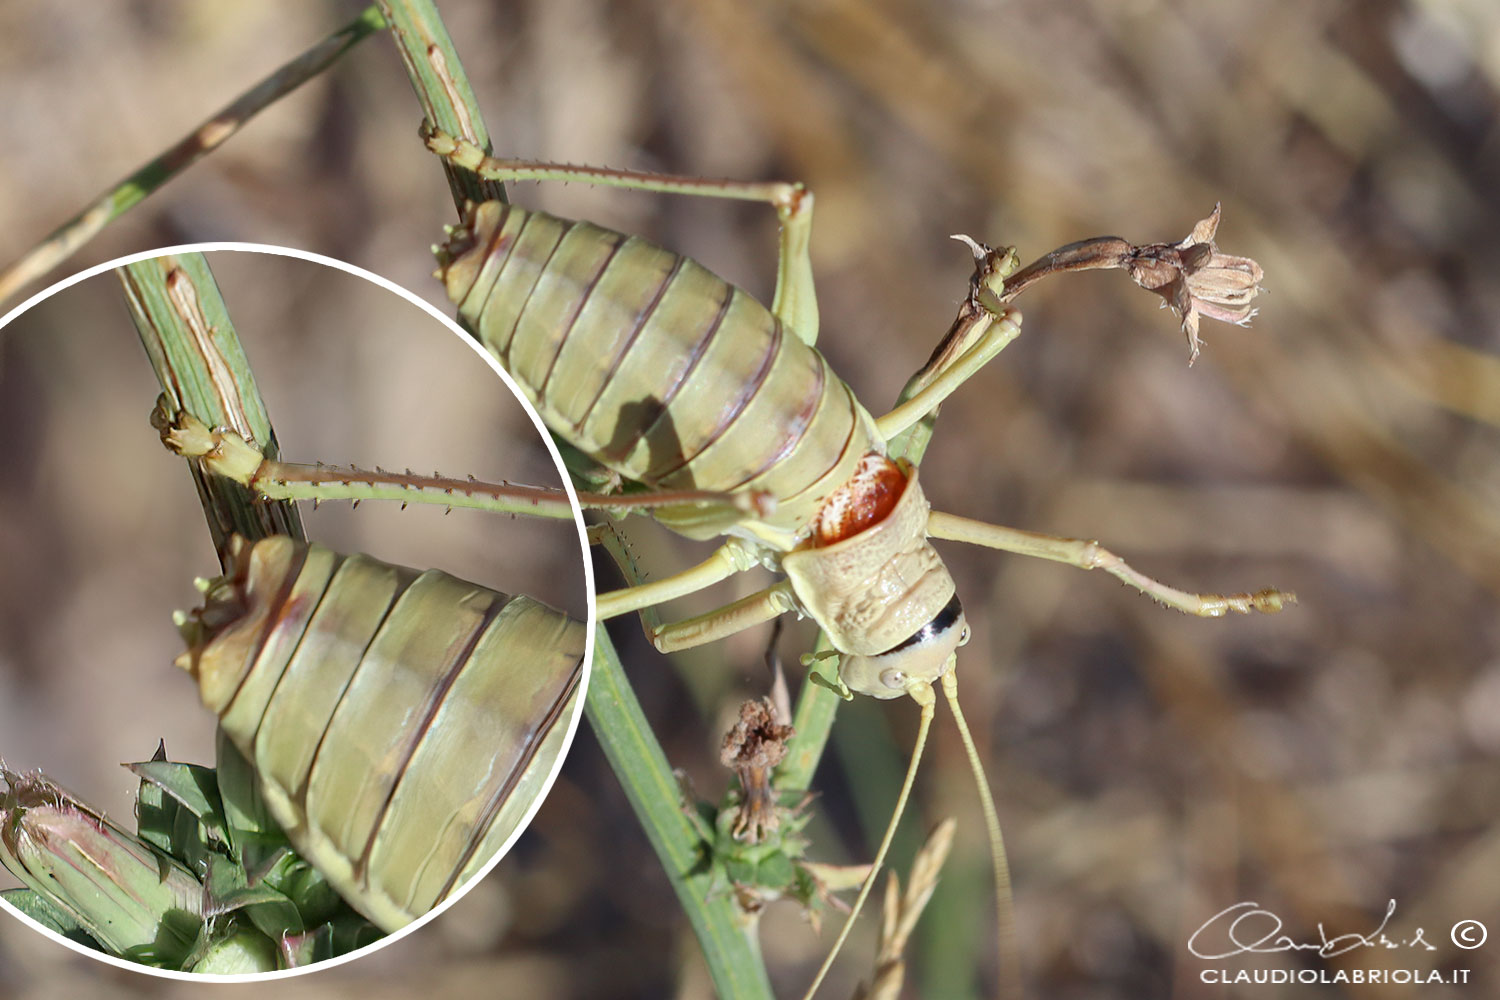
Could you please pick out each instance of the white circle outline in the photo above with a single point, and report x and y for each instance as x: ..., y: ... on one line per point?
x: 588, y: 579
x: 1454, y: 934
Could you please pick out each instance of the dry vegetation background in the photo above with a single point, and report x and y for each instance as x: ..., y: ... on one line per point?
x: 1151, y: 769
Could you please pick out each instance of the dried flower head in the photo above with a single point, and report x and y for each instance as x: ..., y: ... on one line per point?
x: 1192, y: 276
x: 753, y: 748
x: 1195, y: 278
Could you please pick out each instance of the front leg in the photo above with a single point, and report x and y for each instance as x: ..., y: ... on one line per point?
x: 1091, y: 555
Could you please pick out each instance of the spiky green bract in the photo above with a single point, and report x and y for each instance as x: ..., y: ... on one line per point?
x: 207, y: 884
x: 130, y: 898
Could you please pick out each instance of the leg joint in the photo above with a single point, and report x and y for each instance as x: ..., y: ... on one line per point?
x: 791, y: 200
x: 740, y: 554
x: 1095, y: 556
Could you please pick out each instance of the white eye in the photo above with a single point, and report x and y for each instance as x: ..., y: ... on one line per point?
x: 963, y: 638
x: 893, y: 678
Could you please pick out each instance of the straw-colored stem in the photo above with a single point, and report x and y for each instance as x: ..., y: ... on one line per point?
x: 208, y: 136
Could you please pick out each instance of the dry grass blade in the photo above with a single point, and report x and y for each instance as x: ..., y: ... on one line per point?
x: 900, y: 913
x: 198, y: 143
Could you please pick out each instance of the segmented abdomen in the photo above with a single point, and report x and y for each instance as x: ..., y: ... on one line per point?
x: 400, y: 724
x: 652, y: 364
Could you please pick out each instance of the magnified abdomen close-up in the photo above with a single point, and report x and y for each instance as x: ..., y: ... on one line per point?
x: 384, y: 731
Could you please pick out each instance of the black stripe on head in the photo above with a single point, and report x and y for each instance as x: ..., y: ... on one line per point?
x: 940, y: 623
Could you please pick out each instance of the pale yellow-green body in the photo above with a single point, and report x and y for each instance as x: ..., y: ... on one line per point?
x: 400, y: 724
x: 871, y: 591
x: 867, y: 581
x: 671, y: 376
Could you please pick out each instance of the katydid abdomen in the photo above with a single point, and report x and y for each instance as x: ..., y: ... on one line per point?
x: 656, y: 367
x: 400, y: 723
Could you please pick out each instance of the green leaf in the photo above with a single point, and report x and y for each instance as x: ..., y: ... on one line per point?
x: 337, y: 937
x: 775, y: 872
x: 290, y: 898
x: 244, y: 951
x: 41, y: 909
x: 173, y: 944
x: 178, y: 811
x: 194, y: 787
x: 315, y: 898
x: 741, y: 872
x: 269, y: 909
x: 227, y: 889
x: 256, y: 838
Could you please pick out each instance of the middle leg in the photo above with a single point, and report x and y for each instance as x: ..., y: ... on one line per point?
x: 730, y: 558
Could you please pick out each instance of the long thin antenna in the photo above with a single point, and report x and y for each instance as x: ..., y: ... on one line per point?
x: 1005, y: 913
x: 921, y: 693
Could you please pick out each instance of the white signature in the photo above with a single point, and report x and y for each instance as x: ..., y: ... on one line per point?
x: 1246, y: 928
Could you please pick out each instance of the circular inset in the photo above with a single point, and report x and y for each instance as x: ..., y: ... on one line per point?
x: 386, y: 733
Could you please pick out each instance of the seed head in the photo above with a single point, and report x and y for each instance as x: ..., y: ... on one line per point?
x: 1192, y: 276
x: 753, y: 748
x: 1196, y: 278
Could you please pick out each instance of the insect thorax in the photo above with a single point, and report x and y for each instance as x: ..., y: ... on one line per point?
x: 874, y: 589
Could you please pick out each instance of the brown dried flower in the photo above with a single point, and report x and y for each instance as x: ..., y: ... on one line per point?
x: 753, y: 748
x: 1195, y: 278
x: 1192, y: 276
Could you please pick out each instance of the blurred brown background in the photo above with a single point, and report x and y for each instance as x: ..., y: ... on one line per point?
x: 1151, y: 769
